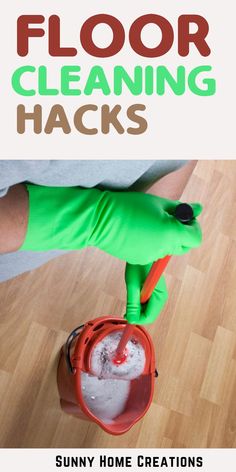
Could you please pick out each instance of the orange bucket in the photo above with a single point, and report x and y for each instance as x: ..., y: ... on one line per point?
x: 75, y: 360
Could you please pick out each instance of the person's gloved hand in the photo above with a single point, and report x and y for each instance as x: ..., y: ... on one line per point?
x: 136, y: 227
x: 135, y: 276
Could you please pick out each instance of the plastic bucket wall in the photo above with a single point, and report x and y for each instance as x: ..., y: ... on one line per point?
x: 69, y: 382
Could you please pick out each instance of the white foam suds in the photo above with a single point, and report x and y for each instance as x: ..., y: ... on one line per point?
x: 105, y: 398
x: 101, y: 359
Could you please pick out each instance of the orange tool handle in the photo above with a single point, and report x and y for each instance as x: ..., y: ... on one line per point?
x: 126, y: 335
x: 183, y: 213
x: 153, y: 278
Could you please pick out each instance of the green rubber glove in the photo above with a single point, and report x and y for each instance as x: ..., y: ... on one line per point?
x: 136, y: 227
x: 135, y: 276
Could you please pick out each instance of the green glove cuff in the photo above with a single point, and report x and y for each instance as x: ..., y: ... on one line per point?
x: 53, y: 217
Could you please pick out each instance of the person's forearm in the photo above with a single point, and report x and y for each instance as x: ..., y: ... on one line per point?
x: 172, y: 185
x: 82, y: 203
x: 13, y: 219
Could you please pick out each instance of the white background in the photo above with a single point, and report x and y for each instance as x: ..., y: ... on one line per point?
x: 38, y: 460
x: 188, y: 126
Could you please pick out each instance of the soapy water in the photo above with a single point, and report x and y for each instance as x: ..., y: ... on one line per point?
x: 105, y: 398
x: 107, y: 390
x: 102, y: 364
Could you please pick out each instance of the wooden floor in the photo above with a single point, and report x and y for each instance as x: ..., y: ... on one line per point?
x: 195, y: 337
